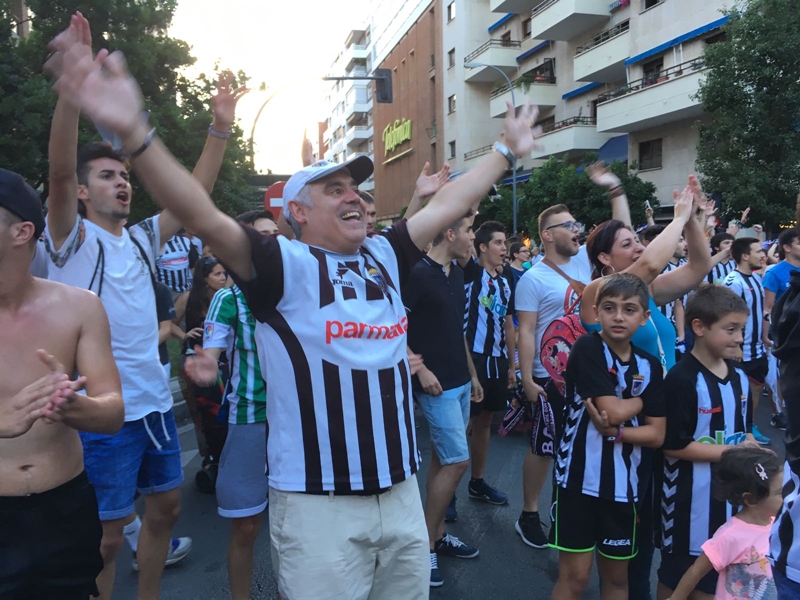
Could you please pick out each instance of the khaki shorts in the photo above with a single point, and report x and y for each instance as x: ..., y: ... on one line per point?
x: 350, y: 547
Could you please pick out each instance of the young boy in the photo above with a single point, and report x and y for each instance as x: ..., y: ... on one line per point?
x: 614, y: 406
x: 709, y: 411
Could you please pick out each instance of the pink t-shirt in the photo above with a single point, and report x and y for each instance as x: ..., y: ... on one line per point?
x: 738, y: 551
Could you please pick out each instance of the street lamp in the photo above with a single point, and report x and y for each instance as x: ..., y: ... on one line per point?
x: 253, y: 130
x: 473, y: 65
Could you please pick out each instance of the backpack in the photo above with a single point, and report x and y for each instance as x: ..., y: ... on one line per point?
x: 560, y: 335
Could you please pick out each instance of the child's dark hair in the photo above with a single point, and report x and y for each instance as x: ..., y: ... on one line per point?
x: 743, y: 474
x: 712, y: 303
x: 485, y: 234
x: 623, y: 285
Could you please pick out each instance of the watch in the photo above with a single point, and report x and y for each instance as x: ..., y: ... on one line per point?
x: 503, y: 149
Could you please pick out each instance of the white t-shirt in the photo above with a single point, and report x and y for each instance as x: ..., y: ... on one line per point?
x: 121, y: 278
x: 543, y: 291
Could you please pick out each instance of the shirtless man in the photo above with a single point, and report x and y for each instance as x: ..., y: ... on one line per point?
x: 49, y: 526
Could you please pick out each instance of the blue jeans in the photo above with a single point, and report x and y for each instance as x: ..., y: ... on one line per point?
x: 787, y: 589
x: 448, y: 417
x: 144, y: 455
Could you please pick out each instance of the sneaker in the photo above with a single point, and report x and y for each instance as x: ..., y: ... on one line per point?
x: 178, y: 549
x: 529, y: 528
x: 436, y: 576
x: 450, y: 545
x: 450, y: 515
x: 480, y: 490
x: 779, y: 421
x: 760, y: 437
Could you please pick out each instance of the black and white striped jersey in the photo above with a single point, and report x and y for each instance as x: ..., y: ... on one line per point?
x: 668, y: 310
x: 172, y: 266
x: 750, y: 288
x: 784, y: 542
x: 587, y: 462
x: 489, y: 300
x: 720, y: 272
x: 331, y: 339
x: 706, y: 409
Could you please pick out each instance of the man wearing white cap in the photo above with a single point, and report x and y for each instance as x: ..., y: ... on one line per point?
x: 346, y: 519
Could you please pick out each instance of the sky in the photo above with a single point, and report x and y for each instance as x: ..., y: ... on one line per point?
x: 287, y: 45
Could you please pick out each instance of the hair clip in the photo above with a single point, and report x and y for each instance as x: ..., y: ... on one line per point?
x: 761, y: 472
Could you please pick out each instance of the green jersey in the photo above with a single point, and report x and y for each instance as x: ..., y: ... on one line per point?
x: 230, y: 323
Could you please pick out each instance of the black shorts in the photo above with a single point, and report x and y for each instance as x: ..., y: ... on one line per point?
x: 493, y: 376
x: 674, y: 566
x: 548, y: 420
x: 581, y: 523
x: 756, y: 370
x: 50, y: 543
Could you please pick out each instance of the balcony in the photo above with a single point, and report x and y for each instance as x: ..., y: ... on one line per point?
x: 567, y: 19
x: 355, y: 55
x: 571, y: 137
x: 499, y: 53
x: 356, y: 136
x: 602, y: 58
x: 358, y: 111
x: 518, y: 7
x: 654, y: 100
x: 477, y: 152
x: 542, y: 92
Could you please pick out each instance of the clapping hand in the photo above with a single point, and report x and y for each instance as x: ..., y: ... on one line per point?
x: 520, y: 131
x: 684, y: 203
x: 223, y: 104
x: 427, y: 184
x: 58, y: 408
x: 202, y: 368
x: 19, y: 413
x: 71, y: 50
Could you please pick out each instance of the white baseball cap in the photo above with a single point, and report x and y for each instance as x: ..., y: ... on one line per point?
x: 360, y: 167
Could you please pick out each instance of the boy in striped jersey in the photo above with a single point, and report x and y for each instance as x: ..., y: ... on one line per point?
x: 491, y: 340
x: 746, y: 282
x: 709, y: 411
x: 723, y: 263
x: 614, y: 406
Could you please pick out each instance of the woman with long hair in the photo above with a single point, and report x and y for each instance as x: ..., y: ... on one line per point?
x: 209, y: 277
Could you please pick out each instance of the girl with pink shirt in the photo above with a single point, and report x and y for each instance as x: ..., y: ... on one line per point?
x: 750, y: 478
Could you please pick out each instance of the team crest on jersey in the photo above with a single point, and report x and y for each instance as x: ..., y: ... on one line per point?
x: 376, y: 276
x: 637, y: 385
x: 209, y: 331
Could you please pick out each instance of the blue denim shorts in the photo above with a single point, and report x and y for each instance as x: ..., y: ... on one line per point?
x: 787, y: 589
x: 448, y: 417
x: 143, y: 455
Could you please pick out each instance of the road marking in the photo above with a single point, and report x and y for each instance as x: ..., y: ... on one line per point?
x: 187, y: 456
x: 184, y: 428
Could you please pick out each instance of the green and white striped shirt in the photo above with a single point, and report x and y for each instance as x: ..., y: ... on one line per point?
x: 229, y: 318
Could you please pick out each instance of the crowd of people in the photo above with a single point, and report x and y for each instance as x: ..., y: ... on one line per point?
x: 634, y: 359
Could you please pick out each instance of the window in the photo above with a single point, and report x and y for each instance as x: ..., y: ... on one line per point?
x: 451, y: 11
x: 371, y: 146
x: 651, y: 3
x: 526, y: 29
x: 451, y: 58
x: 715, y: 39
x: 506, y: 38
x: 546, y: 124
x: 451, y: 104
x: 650, y: 155
x: 452, y: 149
x: 369, y: 92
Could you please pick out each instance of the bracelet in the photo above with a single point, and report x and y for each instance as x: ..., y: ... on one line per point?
x: 506, y: 152
x: 616, y: 192
x: 222, y: 135
x: 146, y: 144
x: 618, y: 436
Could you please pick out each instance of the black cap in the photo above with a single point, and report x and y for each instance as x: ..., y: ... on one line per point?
x: 21, y: 199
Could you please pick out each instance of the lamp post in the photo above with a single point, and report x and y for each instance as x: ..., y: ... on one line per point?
x: 253, y: 130
x: 472, y: 65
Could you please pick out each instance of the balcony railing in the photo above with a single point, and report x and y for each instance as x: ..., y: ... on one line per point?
x: 569, y: 123
x: 603, y: 37
x: 540, y: 7
x: 525, y: 85
x: 358, y: 47
x: 652, y: 79
x: 491, y: 44
x: 478, y: 152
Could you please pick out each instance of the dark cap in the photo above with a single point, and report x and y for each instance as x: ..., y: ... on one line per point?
x: 21, y: 199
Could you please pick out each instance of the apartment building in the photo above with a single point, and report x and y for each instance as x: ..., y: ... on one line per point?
x: 349, y: 128
x: 618, y: 78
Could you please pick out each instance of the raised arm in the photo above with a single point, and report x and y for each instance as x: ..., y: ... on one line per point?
x: 601, y: 175
x: 112, y: 98
x: 427, y: 186
x: 465, y: 192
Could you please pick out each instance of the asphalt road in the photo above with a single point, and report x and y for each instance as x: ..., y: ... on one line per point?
x: 505, y: 569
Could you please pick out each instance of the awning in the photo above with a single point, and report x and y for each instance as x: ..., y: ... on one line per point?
x: 533, y: 50
x: 580, y: 90
x: 497, y: 24
x: 521, y: 176
x: 614, y: 149
x: 678, y: 40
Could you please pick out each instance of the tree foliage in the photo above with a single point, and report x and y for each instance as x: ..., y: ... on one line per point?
x: 179, y: 106
x: 560, y: 182
x: 749, y: 148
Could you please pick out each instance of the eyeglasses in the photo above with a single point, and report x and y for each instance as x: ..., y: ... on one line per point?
x: 569, y: 225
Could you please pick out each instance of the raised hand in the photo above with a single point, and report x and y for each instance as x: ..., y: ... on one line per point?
x: 202, y: 368
x: 427, y: 184
x: 684, y: 203
x: 307, y: 151
x: 72, y: 52
x: 745, y: 215
x: 602, y: 176
x: 520, y: 131
x: 223, y: 104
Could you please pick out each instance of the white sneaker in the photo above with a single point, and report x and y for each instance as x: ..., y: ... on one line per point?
x: 178, y: 549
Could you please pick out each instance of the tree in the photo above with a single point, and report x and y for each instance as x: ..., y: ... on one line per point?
x: 749, y: 148
x: 560, y: 182
x: 180, y: 107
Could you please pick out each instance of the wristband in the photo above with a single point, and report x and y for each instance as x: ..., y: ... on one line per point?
x: 146, y: 144
x: 618, y: 436
x: 503, y: 149
x: 616, y: 191
x: 222, y: 135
